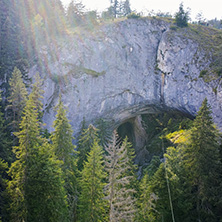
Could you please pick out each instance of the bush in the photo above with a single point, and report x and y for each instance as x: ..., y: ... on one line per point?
x: 173, y: 27
x: 202, y: 73
x: 133, y: 15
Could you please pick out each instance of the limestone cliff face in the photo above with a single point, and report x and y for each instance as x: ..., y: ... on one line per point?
x: 125, y: 69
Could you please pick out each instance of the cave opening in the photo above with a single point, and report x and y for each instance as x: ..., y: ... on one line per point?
x: 146, y: 131
x: 126, y: 129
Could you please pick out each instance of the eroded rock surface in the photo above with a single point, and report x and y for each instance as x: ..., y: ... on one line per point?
x: 125, y: 69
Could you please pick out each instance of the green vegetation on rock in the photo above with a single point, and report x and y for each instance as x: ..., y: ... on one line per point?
x: 210, y: 43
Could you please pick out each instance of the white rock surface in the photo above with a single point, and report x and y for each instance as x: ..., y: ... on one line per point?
x: 144, y: 71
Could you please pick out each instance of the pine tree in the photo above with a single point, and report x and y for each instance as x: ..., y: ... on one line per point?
x: 37, y: 93
x: 44, y: 192
x: 10, y: 46
x: 167, y: 189
x: 5, y: 150
x: 147, y: 201
x: 64, y: 150
x: 75, y: 13
x: 17, y: 98
x: 204, y: 165
x: 125, y: 8
x: 104, y: 132
x: 28, y: 138
x: 119, y: 190
x: 114, y: 7
x: 5, y: 158
x: 178, y: 189
x: 182, y: 17
x: 35, y: 175
x: 92, y: 202
x: 62, y: 136
x: 86, y: 141
x: 3, y: 194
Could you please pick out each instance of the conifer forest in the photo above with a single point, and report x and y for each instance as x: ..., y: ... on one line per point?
x: 61, y: 175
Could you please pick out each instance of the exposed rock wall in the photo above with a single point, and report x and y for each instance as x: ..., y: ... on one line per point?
x: 125, y: 69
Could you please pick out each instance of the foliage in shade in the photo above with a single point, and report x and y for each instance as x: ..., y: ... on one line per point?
x: 104, y: 132
x: 5, y: 145
x: 37, y: 94
x: 10, y: 44
x: 5, y: 158
x: 3, y: 193
x: 86, y: 141
x: 17, y: 98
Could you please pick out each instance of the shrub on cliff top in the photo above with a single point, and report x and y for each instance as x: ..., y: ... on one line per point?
x: 133, y: 15
x: 182, y: 17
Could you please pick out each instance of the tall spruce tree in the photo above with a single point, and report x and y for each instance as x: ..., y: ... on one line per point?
x: 86, y: 141
x: 204, y: 165
x: 147, y: 199
x: 104, y: 132
x: 120, y: 193
x: 75, y: 14
x: 45, y: 195
x: 126, y: 8
x: 170, y: 187
x: 5, y: 158
x: 92, y: 203
x: 5, y: 146
x: 3, y: 194
x: 65, y: 151
x: 10, y: 44
x: 114, y: 7
x: 62, y: 136
x: 37, y: 94
x: 36, y: 187
x: 28, y: 138
x: 17, y: 98
x: 146, y: 202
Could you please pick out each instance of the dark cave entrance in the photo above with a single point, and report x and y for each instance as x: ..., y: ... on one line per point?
x: 127, y: 129
x: 145, y: 132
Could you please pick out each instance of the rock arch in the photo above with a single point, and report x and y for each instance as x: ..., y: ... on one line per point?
x: 124, y: 69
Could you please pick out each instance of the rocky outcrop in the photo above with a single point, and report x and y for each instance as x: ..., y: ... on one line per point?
x: 125, y: 69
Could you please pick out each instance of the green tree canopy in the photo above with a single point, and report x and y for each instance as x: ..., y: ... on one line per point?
x: 65, y: 151
x: 92, y: 202
x: 204, y: 164
x: 182, y: 17
x: 86, y: 141
x: 17, y: 98
x: 36, y: 186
